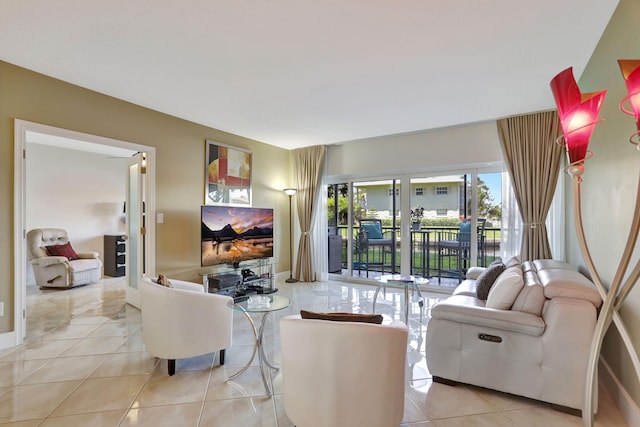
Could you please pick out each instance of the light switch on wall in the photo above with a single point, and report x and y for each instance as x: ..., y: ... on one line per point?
x: 160, y: 218
x: 1, y: 308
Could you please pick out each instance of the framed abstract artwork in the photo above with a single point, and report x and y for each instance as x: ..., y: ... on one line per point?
x: 227, y: 175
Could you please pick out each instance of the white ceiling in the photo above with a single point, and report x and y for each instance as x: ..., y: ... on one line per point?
x: 76, y: 144
x: 295, y: 73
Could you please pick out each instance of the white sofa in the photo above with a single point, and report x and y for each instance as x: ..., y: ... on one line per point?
x: 60, y: 271
x: 537, y: 348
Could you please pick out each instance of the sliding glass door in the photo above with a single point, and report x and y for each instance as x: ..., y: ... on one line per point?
x: 338, y: 223
x: 448, y: 212
x: 437, y: 209
x: 490, y: 208
x: 380, y: 226
x: 376, y: 246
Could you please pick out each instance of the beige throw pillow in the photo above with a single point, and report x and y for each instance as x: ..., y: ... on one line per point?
x: 506, y: 289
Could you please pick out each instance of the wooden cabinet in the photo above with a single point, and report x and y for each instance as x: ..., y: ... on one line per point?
x: 114, y: 255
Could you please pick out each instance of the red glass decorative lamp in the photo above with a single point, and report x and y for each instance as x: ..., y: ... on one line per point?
x: 578, y: 117
x: 578, y: 114
x: 630, y: 69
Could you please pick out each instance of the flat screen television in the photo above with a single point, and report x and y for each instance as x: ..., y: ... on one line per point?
x: 230, y: 235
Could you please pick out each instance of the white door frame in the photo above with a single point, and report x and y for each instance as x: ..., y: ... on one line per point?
x: 134, y: 226
x: 21, y: 127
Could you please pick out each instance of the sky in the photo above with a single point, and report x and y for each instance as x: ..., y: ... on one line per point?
x: 494, y: 182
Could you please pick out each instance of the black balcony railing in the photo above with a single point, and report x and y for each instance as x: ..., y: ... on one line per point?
x: 426, y: 259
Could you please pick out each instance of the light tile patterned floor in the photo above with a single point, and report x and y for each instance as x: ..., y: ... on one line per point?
x: 84, y: 364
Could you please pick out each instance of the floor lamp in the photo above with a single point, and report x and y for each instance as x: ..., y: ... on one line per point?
x: 578, y: 114
x: 290, y: 192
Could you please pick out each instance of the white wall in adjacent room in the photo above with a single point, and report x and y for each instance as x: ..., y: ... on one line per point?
x: 79, y: 191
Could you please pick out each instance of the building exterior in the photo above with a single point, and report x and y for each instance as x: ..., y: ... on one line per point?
x: 441, y: 197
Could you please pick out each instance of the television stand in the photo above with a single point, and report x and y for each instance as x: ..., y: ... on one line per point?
x: 237, y: 294
x: 259, y: 288
x: 258, y: 275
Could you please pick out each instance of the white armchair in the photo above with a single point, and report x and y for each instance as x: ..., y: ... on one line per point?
x: 184, y: 321
x: 343, y: 374
x: 60, y: 271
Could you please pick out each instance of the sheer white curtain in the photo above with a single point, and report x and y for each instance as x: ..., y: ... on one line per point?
x: 320, y: 227
x: 555, y: 221
x: 511, y: 235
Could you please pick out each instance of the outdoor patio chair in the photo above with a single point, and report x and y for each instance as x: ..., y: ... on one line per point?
x: 454, y: 250
x: 374, y: 246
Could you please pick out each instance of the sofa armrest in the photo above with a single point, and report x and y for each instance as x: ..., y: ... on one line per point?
x: 88, y: 255
x: 466, y: 309
x: 46, y: 261
x: 570, y: 319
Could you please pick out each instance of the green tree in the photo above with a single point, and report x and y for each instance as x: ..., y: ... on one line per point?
x: 343, y: 204
x: 343, y: 190
x: 487, y: 207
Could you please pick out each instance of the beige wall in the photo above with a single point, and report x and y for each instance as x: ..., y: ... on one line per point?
x: 443, y: 149
x: 610, y: 181
x: 180, y: 153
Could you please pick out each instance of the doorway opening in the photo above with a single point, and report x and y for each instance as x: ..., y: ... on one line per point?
x: 27, y: 133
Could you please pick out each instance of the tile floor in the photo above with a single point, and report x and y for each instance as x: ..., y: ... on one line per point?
x: 84, y: 364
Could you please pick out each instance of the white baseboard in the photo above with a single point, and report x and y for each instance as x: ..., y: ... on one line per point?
x: 280, y: 277
x: 7, y: 340
x: 621, y: 398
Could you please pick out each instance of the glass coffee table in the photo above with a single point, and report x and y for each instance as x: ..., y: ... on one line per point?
x: 406, y: 282
x: 265, y: 304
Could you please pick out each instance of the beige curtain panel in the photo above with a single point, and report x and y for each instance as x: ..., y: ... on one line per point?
x: 533, y: 159
x: 307, y: 169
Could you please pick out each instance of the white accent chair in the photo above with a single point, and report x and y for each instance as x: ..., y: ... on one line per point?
x: 59, y: 271
x: 343, y: 374
x: 184, y: 321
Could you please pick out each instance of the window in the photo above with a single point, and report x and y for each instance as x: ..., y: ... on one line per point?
x: 443, y: 195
